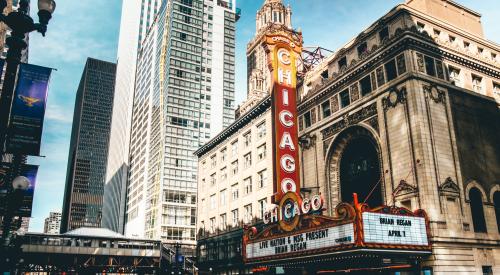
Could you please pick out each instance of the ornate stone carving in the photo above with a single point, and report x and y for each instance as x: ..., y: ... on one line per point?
x: 420, y: 63
x: 373, y: 122
x: 335, y: 103
x: 401, y: 64
x: 354, y: 91
x: 449, y: 188
x: 349, y: 120
x: 380, y: 76
x: 313, y: 116
x: 394, y: 98
x: 404, y: 188
x: 435, y: 94
x: 308, y: 141
x: 439, y: 69
x: 374, y: 81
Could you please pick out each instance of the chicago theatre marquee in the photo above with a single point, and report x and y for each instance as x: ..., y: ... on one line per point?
x: 383, y: 158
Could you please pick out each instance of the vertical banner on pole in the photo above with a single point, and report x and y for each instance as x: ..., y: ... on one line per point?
x: 28, y: 110
x: 286, y: 176
x: 4, y: 188
x: 27, y: 175
x: 27, y: 178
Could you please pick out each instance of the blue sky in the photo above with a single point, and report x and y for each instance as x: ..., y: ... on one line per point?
x: 81, y: 29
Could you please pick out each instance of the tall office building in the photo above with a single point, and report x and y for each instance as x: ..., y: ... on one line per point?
x: 52, y: 223
x: 89, y: 147
x: 184, y: 95
x: 113, y: 216
x: 137, y: 16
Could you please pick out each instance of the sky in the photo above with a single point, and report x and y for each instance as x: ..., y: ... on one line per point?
x: 81, y: 29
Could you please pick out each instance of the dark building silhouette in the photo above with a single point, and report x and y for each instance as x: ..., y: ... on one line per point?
x: 88, y: 150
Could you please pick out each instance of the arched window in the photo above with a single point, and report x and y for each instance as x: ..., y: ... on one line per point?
x: 476, y: 208
x: 496, y: 201
x: 360, y: 172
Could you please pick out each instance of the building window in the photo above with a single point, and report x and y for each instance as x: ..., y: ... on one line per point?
x: 390, y: 70
x: 248, y: 160
x: 223, y: 156
x: 420, y: 26
x: 455, y: 76
x: 223, y: 221
x: 362, y: 49
x: 261, y: 152
x: 496, y: 88
x: 223, y: 174
x: 212, y: 225
x: 342, y: 62
x: 213, y: 161
x: 307, y: 119
x: 261, y: 130
x: 430, y: 67
x: 477, y: 83
x: 466, y: 45
x: 223, y: 197
x: 213, y: 202
x: 493, y: 56
x: 235, y: 191
x: 248, y: 139
x: 248, y: 213
x: 234, y: 167
x: 326, y: 109
x: 344, y: 98
x: 234, y: 217
x: 213, y: 179
x: 487, y: 270
x: 383, y: 34
x: 262, y: 208
x: 262, y: 178
x: 496, y: 202
x: 234, y: 149
x: 366, y: 85
x: 452, y: 39
x: 480, y: 50
x: 247, y: 184
x: 324, y: 74
x: 477, y: 211
x: 437, y: 33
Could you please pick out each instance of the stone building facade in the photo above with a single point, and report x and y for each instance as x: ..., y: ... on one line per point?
x: 405, y: 114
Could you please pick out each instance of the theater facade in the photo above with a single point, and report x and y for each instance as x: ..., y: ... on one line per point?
x: 399, y: 160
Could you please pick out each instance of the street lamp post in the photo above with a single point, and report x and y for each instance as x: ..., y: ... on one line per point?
x: 20, y: 24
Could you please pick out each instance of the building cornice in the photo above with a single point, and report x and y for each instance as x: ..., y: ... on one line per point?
x: 403, y: 39
x: 253, y: 113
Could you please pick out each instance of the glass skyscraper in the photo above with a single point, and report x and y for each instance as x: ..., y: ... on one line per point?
x: 184, y: 95
x: 137, y: 17
x: 88, y: 150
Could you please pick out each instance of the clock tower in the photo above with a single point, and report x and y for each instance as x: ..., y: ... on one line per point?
x: 273, y: 18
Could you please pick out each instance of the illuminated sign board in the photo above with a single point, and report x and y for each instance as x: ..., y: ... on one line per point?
x: 394, y: 229
x: 312, y: 240
x: 284, y: 111
x: 352, y: 227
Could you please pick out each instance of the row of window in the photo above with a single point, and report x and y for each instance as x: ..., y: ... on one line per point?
x: 247, y: 142
x: 380, y: 76
x: 453, y: 39
x: 236, y: 220
x: 477, y: 210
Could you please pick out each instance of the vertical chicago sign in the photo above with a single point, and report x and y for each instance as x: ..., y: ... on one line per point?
x: 286, y: 176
